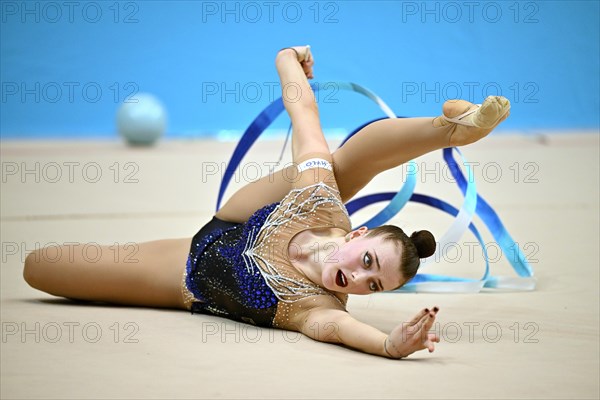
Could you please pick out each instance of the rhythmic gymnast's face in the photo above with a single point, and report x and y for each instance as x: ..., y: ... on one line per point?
x: 363, y: 265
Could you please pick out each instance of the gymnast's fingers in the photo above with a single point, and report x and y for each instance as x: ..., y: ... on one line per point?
x: 423, y: 320
x: 429, y: 345
x: 433, y: 337
x: 418, y: 317
x: 308, y: 55
x: 307, y: 71
x: 425, y: 324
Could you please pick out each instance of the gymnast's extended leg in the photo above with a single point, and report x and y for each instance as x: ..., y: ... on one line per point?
x: 379, y: 146
x: 142, y: 274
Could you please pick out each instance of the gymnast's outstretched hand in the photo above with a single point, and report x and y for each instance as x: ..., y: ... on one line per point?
x: 412, y: 336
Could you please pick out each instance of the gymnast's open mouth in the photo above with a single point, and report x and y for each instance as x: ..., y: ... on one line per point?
x: 340, y: 279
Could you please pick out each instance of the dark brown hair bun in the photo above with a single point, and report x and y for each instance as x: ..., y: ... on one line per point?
x: 424, y: 243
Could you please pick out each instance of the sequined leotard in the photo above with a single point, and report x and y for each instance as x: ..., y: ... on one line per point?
x: 243, y: 271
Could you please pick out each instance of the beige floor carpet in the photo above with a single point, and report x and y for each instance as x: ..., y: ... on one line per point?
x: 539, y: 344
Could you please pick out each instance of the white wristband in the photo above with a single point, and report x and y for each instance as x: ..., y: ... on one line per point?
x: 314, y: 163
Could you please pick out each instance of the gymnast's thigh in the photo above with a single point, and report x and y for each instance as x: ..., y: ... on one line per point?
x: 276, y: 186
x: 141, y: 274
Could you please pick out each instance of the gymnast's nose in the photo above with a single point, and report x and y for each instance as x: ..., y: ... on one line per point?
x: 357, y: 275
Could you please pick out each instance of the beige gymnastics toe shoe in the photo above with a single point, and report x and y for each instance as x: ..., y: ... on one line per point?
x: 477, y: 122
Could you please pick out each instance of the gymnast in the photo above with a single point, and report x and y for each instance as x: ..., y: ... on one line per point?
x: 281, y: 252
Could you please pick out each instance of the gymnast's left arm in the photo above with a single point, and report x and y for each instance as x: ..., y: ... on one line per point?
x: 338, y: 326
x: 294, y: 66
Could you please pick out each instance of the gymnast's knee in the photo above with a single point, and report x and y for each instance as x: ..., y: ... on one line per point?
x: 31, y: 268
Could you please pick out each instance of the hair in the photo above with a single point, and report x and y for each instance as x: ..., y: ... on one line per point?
x: 420, y: 244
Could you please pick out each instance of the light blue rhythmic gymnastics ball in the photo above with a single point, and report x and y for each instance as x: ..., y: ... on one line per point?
x: 141, y: 120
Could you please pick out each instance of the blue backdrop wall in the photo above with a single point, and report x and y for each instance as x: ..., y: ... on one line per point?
x: 67, y: 66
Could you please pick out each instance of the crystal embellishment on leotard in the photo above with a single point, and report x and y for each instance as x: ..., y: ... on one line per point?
x: 197, y: 250
x: 287, y: 288
x: 218, y: 275
x: 254, y: 290
x: 235, y: 273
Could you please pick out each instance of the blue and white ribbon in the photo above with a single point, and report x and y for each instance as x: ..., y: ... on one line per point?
x: 473, y: 204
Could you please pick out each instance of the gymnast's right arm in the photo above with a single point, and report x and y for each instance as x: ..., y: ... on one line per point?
x: 337, y: 326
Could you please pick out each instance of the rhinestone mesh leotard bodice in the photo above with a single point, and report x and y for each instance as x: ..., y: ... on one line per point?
x: 244, y: 273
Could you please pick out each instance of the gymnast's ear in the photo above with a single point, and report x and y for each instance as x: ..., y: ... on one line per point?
x: 362, y: 230
x: 356, y: 233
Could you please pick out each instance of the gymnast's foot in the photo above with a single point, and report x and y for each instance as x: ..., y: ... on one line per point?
x: 470, y: 122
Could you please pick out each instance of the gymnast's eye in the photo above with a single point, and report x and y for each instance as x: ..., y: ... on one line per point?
x: 367, y: 260
x: 372, y: 287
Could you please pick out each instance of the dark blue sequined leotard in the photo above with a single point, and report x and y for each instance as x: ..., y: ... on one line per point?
x: 242, y: 271
x: 218, y: 276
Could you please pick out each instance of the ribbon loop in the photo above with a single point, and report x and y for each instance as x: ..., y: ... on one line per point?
x: 473, y: 204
